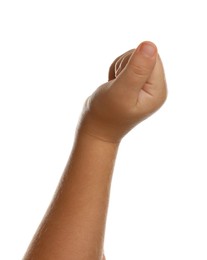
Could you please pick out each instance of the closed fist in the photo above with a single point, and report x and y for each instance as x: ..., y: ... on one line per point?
x: 136, y: 89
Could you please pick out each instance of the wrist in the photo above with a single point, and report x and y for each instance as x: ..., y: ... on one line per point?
x: 94, y: 153
x: 100, y: 130
x: 84, y: 135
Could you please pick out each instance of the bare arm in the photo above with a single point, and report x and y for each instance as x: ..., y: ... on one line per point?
x: 74, y: 225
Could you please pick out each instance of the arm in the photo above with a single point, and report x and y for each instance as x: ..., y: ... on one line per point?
x: 74, y: 224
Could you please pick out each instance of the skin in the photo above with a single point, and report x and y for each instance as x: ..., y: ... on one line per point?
x: 74, y: 224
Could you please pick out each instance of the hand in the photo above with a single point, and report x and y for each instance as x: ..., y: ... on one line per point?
x: 136, y: 88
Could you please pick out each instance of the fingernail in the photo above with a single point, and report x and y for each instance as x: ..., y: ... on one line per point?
x: 148, y: 49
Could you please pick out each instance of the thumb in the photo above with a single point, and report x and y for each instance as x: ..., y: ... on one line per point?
x: 140, y: 65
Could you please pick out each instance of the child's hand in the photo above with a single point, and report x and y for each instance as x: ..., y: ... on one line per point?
x: 136, y: 88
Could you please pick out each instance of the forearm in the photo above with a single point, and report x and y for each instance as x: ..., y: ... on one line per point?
x: 74, y: 225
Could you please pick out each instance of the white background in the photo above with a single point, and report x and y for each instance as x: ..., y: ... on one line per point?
x: 53, y: 54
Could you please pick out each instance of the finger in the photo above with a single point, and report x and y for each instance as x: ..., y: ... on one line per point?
x: 115, y: 63
x: 122, y: 62
x: 111, y: 74
x: 140, y: 66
